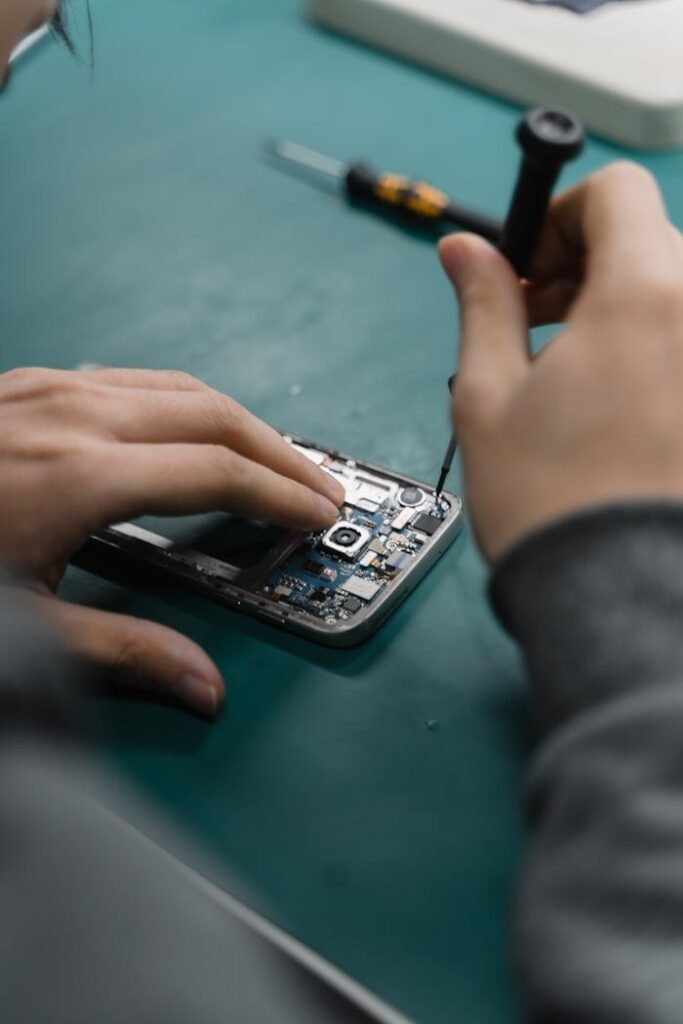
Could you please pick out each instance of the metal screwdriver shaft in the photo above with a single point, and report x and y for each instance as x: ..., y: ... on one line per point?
x: 549, y: 139
x: 309, y: 158
x: 447, y: 463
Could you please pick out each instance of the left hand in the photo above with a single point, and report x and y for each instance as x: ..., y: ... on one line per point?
x: 82, y: 450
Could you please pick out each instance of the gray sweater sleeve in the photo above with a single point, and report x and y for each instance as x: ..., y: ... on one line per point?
x: 596, y: 603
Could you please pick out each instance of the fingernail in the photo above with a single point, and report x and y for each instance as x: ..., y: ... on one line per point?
x: 334, y: 490
x: 329, y: 510
x: 453, y: 257
x: 200, y: 695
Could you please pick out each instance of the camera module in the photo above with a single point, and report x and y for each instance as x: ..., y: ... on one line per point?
x: 346, y: 540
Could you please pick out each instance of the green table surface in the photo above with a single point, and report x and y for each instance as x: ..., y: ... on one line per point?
x: 141, y: 226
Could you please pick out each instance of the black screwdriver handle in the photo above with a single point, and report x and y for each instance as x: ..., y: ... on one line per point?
x: 549, y: 139
x: 424, y: 205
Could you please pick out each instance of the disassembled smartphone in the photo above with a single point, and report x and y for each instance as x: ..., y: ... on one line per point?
x: 336, y: 586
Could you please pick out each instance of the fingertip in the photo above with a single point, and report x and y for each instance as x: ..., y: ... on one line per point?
x: 333, y: 490
x: 195, y: 681
x: 449, y: 249
x: 204, y: 697
x: 310, y: 513
x: 458, y: 251
x: 191, y: 674
x: 142, y: 654
x: 329, y: 511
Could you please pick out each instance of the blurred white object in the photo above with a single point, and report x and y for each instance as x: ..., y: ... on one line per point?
x: 27, y: 43
x: 619, y: 68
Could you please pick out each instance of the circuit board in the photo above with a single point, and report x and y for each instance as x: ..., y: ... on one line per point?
x: 335, y: 586
x: 382, y: 528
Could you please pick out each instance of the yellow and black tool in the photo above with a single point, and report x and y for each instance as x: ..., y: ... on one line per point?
x: 423, y: 205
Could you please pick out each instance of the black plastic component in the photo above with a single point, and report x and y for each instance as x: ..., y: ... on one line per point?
x: 549, y: 139
x: 550, y: 136
x: 426, y: 524
x: 421, y: 204
x: 360, y: 182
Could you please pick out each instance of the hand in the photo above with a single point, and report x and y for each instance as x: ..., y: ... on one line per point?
x: 597, y: 416
x: 79, y: 451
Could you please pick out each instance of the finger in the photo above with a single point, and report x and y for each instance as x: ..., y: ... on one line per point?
x: 140, y: 654
x: 557, y: 254
x: 180, y: 479
x: 616, y: 219
x: 493, y: 322
x: 207, y: 417
x: 148, y: 380
x: 551, y: 303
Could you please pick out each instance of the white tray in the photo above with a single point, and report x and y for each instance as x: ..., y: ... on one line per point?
x: 620, y: 68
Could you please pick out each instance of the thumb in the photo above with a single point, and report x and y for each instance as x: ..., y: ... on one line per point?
x: 140, y: 654
x: 494, y: 343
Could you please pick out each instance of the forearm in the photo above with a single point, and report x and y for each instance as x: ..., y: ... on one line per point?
x: 597, y: 606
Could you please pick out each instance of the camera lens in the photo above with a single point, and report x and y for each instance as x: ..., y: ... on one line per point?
x: 345, y: 537
x: 411, y: 497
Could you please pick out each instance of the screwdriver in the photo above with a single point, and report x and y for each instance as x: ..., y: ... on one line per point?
x: 422, y: 204
x: 549, y: 138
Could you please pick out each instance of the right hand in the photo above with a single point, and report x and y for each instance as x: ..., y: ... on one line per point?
x: 597, y: 416
x: 83, y: 450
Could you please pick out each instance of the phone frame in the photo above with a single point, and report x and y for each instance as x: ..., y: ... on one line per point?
x: 139, y: 547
